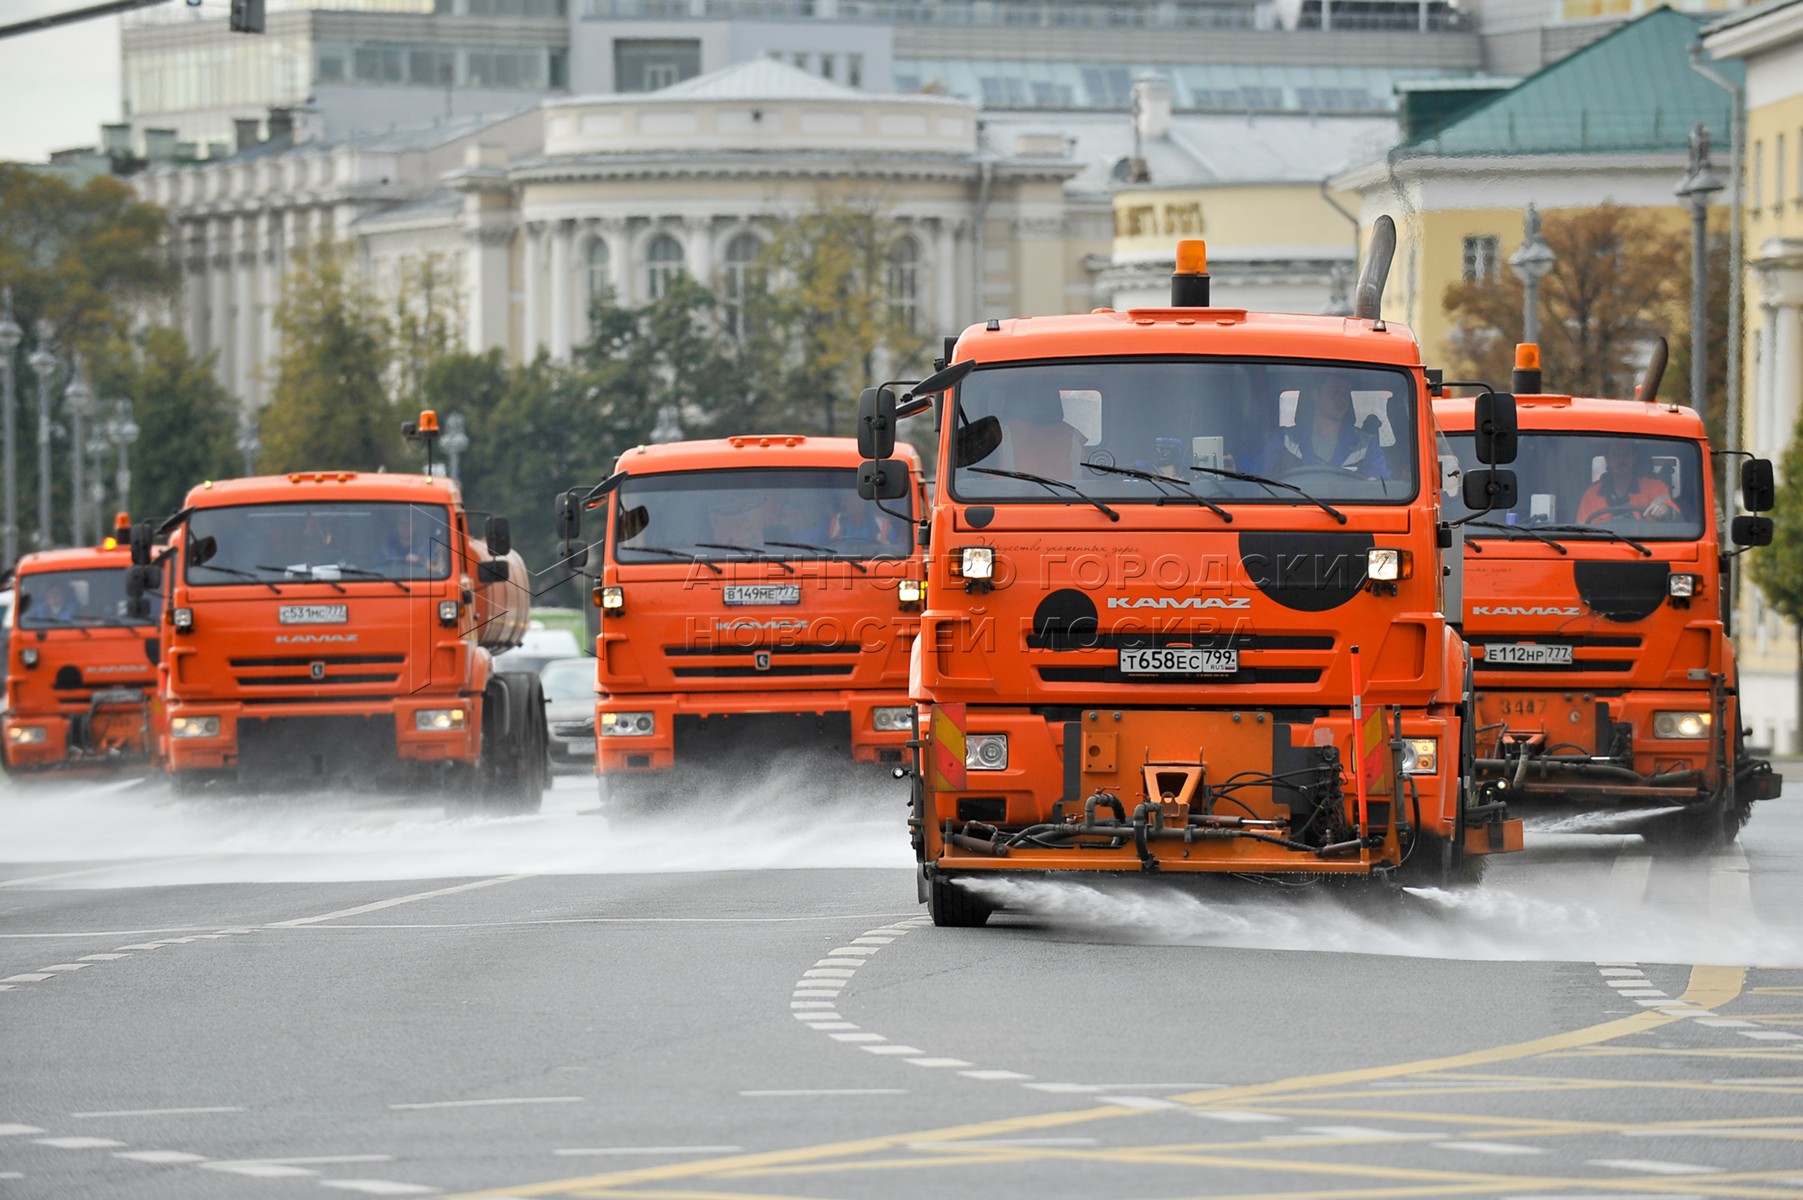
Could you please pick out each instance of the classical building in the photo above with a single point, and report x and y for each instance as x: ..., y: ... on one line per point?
x: 1768, y: 39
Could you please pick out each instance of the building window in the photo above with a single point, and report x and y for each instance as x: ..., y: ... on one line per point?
x: 829, y: 66
x: 646, y: 64
x: 1482, y: 259
x: 663, y: 263
x: 854, y: 70
x: 800, y: 59
x: 1777, y: 174
x: 600, y: 281
x: 904, y: 283
x: 1758, y: 196
x: 740, y: 279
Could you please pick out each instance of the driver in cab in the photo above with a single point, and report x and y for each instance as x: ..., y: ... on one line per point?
x: 1038, y: 440
x: 1327, y: 431
x: 1626, y: 489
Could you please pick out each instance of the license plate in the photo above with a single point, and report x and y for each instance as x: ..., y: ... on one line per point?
x: 582, y: 749
x: 763, y: 593
x: 1179, y: 661
x: 1528, y: 654
x: 313, y: 614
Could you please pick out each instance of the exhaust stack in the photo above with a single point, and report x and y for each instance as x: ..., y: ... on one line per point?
x: 1368, y: 299
x: 1648, y: 390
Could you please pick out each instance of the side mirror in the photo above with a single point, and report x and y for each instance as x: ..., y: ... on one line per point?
x: 200, y: 550
x: 876, y: 423
x: 141, y: 538
x: 943, y: 381
x: 1751, y: 531
x: 1757, y: 491
x: 569, y: 517
x: 495, y: 570
x: 1485, y: 491
x: 976, y: 441
x: 139, y: 581
x: 499, y: 537
x: 883, y: 479
x: 1496, y: 430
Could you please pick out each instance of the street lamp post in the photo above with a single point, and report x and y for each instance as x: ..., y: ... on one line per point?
x: 80, y: 398
x: 97, y: 446
x: 10, y: 336
x: 455, y: 441
x: 122, y: 431
x: 1532, y: 263
x: 44, y: 364
x: 669, y: 426
x: 1698, y: 187
x: 248, y: 444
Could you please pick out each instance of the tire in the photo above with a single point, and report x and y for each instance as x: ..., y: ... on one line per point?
x: 952, y: 907
x: 515, y: 745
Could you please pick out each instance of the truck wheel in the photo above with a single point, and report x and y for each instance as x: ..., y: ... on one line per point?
x: 952, y: 906
x: 1433, y: 863
x: 515, y: 744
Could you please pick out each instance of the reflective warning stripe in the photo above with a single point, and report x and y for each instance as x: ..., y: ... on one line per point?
x: 948, y: 748
x: 1374, y: 753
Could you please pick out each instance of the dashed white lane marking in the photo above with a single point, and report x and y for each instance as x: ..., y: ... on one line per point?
x: 492, y: 1101
x: 1636, y: 972
x: 59, y: 967
x: 27, y: 978
x: 990, y: 1076
x: 378, y: 1187
x: 78, y: 1143
x: 1725, y: 1023
x: 1146, y: 1102
x: 1628, y: 876
x: 1346, y: 1131
x: 1064, y: 1089
x: 312, y: 1160
x: 1646, y: 992
x: 599, y: 1151
x: 103, y: 957
x: 826, y: 1092
x: 259, y: 1170
x: 939, y: 1062
x: 12, y: 1174
x: 1653, y: 1166
x: 891, y: 1048
x: 378, y: 905
x: 154, y: 1112
x: 18, y: 1130
x: 859, y: 1037
x: 1239, y: 1116
x: 830, y: 1025
x: 1771, y: 1035
x: 160, y: 1156
x: 1490, y: 1147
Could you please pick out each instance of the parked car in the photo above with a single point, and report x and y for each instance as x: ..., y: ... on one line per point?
x: 540, y: 647
x: 569, y: 685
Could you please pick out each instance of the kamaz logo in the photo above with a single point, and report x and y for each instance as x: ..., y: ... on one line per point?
x: 1517, y: 610
x: 731, y: 625
x: 300, y: 639
x: 1181, y: 602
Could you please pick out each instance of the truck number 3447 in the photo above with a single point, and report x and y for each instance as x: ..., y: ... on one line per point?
x: 1522, y: 708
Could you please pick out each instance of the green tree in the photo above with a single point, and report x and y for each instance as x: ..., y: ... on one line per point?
x: 1778, y: 568
x: 187, y: 424
x: 330, y: 408
x: 427, y: 325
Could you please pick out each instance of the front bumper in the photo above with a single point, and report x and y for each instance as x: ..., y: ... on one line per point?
x: 845, y: 719
x: 316, y: 725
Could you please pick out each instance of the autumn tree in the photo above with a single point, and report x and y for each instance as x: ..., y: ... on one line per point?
x: 330, y: 407
x: 186, y: 421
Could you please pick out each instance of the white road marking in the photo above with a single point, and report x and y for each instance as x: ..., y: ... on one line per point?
x: 12, y: 1174
x: 829, y: 973
x: 995, y: 1076
x: 1347, y: 1131
x: 160, y: 1156
x: 1731, y: 888
x: 1051, y: 1143
x: 1726, y: 1023
x: 595, y: 1151
x: 857, y: 1037
x: 144, y: 946
x: 1139, y: 1102
x: 815, y: 1016
x: 842, y: 951
x: 1652, y: 1003
x: 1637, y: 981
x: 939, y: 1062
x: 1157, y: 1087
x: 104, y: 933
x: 1628, y: 876
x: 829, y: 1025
x: 1490, y: 1147
x: 868, y: 940
x: 1771, y: 1035
x: 78, y: 1143
x: 816, y: 993
x: 810, y: 1004
x: 853, y: 963
x: 103, y: 957
x: 1064, y: 1089
x: 59, y: 967
x: 27, y: 978
x: 1238, y: 1117
x: 1645, y: 992
x: 259, y: 1170
x: 1653, y: 1166
x: 316, y: 1160
x: 1601, y: 970
x: 827, y: 1092
x: 18, y: 1130
x: 378, y: 1187
x: 398, y: 900
x: 493, y: 1101
x: 154, y: 1112
x: 123, y: 865
x: 916, y: 1050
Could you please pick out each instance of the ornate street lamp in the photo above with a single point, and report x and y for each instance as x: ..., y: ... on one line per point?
x: 454, y: 441
x: 1697, y: 188
x: 248, y: 445
x: 44, y: 364
x: 1532, y: 263
x: 80, y: 398
x: 10, y: 336
x: 122, y: 431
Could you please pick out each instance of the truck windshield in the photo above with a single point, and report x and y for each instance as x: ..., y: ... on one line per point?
x: 1125, y: 431
x: 779, y: 513
x: 75, y: 599
x: 1584, y: 483
x: 339, y: 540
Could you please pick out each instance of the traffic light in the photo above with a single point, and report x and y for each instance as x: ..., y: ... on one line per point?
x: 247, y: 16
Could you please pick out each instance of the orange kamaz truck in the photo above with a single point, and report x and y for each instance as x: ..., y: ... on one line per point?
x: 747, y: 599
x: 1184, y: 601
x: 335, y: 628
x: 81, y: 663
x: 1597, y: 606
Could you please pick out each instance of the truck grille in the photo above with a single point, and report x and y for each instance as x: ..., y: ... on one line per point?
x: 1581, y: 662
x: 740, y: 662
x: 1264, y: 675
x: 297, y: 670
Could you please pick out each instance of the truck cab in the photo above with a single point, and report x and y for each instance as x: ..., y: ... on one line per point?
x: 81, y: 663
x: 1596, y: 606
x: 748, y: 598
x: 1184, y: 603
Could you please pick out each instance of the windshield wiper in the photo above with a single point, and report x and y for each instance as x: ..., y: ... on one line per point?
x: 1051, y: 483
x: 1602, y: 529
x: 669, y: 553
x: 312, y: 575
x: 242, y: 574
x: 1154, y: 477
x: 826, y: 550
x: 1513, y: 529
x: 64, y: 622
x: 365, y: 573
x: 755, y: 553
x: 1261, y: 480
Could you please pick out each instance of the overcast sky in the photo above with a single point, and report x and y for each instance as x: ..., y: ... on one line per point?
x: 57, y: 87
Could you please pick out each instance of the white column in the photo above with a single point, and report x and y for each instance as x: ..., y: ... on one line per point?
x: 945, y: 280
x: 698, y: 233
x: 531, y: 281
x: 1787, y: 376
x: 219, y: 280
x: 244, y: 324
x: 194, y: 267
x: 490, y: 293
x: 1761, y: 431
x: 563, y: 233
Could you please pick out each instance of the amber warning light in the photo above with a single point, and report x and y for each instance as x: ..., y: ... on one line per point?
x: 1526, y: 379
x: 1189, y: 282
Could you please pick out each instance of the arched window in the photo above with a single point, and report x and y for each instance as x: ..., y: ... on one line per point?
x: 600, y: 283
x: 904, y: 283
x: 740, y: 279
x: 663, y: 263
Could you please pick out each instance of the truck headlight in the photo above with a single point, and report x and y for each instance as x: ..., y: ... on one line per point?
x: 1385, y: 565
x: 611, y: 598
x: 1680, y: 724
x: 447, y: 611
x: 184, y: 619
x: 29, y: 656
x: 1681, y: 587
x: 1420, y: 756
x: 26, y: 735
x: 438, y: 720
x: 986, y: 752
x: 194, y: 727
x: 977, y: 562
x: 893, y: 720
x: 627, y: 724
x: 908, y: 591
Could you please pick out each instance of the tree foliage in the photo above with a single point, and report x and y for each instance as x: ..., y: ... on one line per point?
x: 1617, y: 282
x: 1778, y: 568
x: 185, y: 418
x: 330, y: 407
